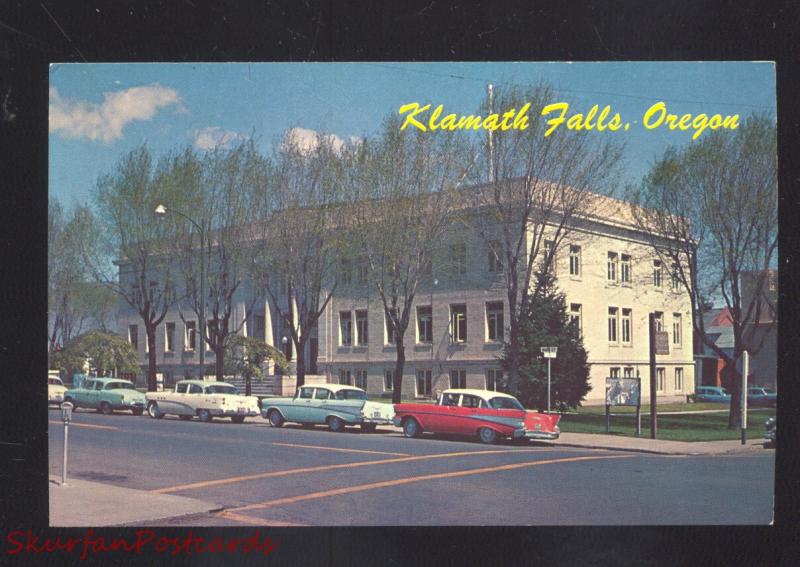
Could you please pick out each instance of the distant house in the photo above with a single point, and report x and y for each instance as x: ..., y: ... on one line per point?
x: 718, y: 325
x: 761, y: 336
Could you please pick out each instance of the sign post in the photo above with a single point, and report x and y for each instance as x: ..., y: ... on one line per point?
x: 66, y: 417
x: 745, y: 370
x: 622, y: 392
x: 549, y: 353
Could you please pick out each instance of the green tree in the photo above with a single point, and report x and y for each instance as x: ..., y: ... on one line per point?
x: 246, y: 356
x: 107, y: 354
x: 547, y: 324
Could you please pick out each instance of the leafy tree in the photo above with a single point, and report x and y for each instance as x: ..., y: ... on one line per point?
x: 546, y: 323
x: 246, y: 357
x: 106, y: 353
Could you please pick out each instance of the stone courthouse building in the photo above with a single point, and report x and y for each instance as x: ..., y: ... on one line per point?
x: 604, y: 265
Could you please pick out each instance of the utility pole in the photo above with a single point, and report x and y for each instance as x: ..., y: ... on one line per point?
x: 745, y: 370
x: 653, y: 420
x: 489, y: 92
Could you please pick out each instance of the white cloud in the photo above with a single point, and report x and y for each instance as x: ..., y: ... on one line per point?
x: 214, y: 137
x: 306, y: 140
x: 105, y: 121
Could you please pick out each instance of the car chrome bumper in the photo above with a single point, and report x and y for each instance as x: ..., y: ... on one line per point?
x: 378, y: 420
x: 232, y: 412
x: 529, y: 434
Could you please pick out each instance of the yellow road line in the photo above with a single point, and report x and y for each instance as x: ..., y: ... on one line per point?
x: 407, y: 480
x: 340, y: 449
x: 72, y: 423
x: 256, y: 521
x: 231, y: 480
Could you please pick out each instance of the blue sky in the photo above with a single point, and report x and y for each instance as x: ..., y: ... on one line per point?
x: 98, y: 112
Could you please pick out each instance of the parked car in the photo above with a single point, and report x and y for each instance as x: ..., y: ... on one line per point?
x: 713, y: 394
x: 106, y: 395
x: 758, y: 396
x: 770, y: 437
x: 203, y: 399
x: 483, y: 413
x: 55, y: 390
x: 335, y: 405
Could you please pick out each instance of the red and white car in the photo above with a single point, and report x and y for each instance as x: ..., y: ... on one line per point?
x: 487, y: 414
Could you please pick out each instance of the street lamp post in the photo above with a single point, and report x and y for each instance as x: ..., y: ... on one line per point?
x: 161, y: 212
x: 549, y: 353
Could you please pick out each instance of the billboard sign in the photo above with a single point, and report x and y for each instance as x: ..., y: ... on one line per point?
x: 623, y: 391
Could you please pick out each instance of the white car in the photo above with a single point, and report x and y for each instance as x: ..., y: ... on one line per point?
x: 55, y: 390
x: 203, y: 399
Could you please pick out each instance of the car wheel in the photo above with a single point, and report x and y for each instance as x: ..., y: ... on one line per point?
x: 237, y: 418
x: 368, y: 427
x: 486, y: 435
x: 153, y: 411
x: 185, y: 417
x: 411, y: 428
x: 204, y: 415
x: 137, y: 411
x: 275, y: 418
x: 106, y: 409
x: 336, y: 424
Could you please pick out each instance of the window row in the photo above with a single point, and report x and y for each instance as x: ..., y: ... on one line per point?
x: 620, y: 326
x: 423, y: 383
x: 661, y: 377
x: 357, y: 334
x: 168, y: 335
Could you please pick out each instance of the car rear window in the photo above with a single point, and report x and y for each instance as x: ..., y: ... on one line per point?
x: 120, y: 386
x: 222, y: 389
x: 351, y: 395
x: 501, y: 402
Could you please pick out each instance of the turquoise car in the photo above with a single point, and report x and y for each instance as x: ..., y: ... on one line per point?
x: 106, y: 395
x: 334, y: 405
x: 713, y: 394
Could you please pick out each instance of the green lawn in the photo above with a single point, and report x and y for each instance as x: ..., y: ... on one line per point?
x: 687, y: 427
x: 661, y: 408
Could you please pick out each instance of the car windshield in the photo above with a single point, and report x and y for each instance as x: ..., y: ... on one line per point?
x: 56, y: 381
x: 501, y: 402
x: 120, y: 386
x: 351, y: 395
x: 222, y: 389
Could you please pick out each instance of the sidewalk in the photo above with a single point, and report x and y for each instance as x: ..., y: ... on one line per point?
x: 657, y: 446
x: 84, y: 503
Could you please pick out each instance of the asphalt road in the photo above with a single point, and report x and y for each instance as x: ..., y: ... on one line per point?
x: 261, y: 475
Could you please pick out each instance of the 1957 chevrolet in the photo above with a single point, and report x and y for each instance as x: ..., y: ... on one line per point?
x: 333, y: 404
x: 487, y: 414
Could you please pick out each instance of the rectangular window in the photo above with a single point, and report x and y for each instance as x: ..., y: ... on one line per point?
x: 345, y: 377
x: 190, y: 338
x: 627, y: 372
x: 346, y: 271
x: 625, y: 269
x: 613, y: 315
x: 388, y: 380
x: 458, y: 323
x: 679, y: 379
x: 133, y: 336
x: 575, y: 315
x: 390, y: 338
x: 676, y: 329
x: 257, y: 327
x: 424, y: 325
x: 549, y: 258
x: 363, y: 271
x: 458, y: 253
x: 169, y: 337
x: 614, y: 372
x: 675, y: 277
x: 657, y: 273
x: 345, y: 328
x: 361, y: 379
x: 574, y: 260
x: 495, y: 263
x: 611, y: 272
x: 424, y: 380
x: 495, y: 328
x: 494, y: 377
x: 659, y: 321
x: 362, y: 328
x: 660, y: 379
x: 211, y: 327
x: 458, y: 378
x: 626, y: 326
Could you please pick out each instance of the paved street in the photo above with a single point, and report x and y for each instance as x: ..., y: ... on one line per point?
x: 256, y: 474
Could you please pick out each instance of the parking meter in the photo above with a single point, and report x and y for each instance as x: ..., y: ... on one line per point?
x: 66, y: 416
x: 66, y: 412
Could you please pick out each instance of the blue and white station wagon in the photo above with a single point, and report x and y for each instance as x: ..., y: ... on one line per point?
x: 334, y: 405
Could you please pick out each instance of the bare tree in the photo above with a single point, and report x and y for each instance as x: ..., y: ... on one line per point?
x: 221, y: 188
x: 298, y: 242
x: 124, y: 201
x: 710, y: 213
x: 531, y: 190
x: 404, y: 193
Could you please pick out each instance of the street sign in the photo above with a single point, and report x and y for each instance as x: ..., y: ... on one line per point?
x: 662, y: 342
x: 549, y: 351
x: 66, y: 412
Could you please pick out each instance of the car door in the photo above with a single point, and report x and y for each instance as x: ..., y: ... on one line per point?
x: 446, y: 418
x: 195, y: 399
x: 466, y: 416
x: 320, y: 403
x: 92, y: 398
x: 300, y: 408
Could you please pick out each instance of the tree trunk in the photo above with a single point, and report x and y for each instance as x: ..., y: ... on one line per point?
x: 300, y: 357
x: 150, y: 331
x: 219, y: 364
x: 732, y: 381
x: 247, y: 385
x: 397, y: 380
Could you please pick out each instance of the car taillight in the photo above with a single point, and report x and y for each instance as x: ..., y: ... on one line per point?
x: 223, y: 401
